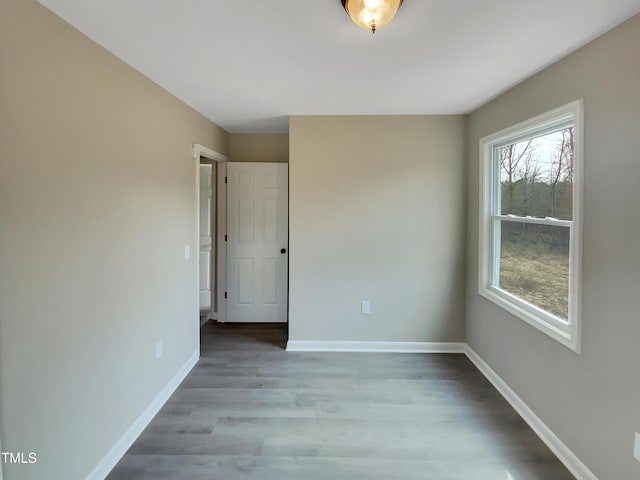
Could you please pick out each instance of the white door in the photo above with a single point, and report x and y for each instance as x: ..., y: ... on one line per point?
x: 257, y: 247
x: 204, y: 258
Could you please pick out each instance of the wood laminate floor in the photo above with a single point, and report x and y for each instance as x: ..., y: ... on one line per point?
x: 250, y: 410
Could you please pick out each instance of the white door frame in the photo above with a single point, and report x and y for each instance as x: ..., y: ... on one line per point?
x: 200, y: 151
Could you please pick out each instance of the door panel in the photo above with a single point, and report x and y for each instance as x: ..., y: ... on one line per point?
x: 244, y: 274
x: 269, y: 281
x: 244, y: 220
x: 204, y: 255
x: 258, y: 229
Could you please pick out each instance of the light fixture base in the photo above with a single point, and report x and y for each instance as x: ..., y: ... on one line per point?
x: 369, y: 25
x: 344, y: 4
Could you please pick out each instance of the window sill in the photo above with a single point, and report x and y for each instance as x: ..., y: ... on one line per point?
x: 542, y: 321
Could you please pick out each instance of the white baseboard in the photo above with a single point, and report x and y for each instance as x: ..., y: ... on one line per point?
x: 374, y: 347
x: 114, y: 455
x: 566, y: 456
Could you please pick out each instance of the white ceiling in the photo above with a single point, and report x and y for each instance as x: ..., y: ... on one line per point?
x: 247, y: 65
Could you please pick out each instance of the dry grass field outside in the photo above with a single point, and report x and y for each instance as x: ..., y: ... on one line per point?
x: 536, y: 274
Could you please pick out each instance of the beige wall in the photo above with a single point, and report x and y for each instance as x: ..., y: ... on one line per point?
x: 97, y: 201
x: 267, y: 147
x: 376, y: 213
x: 591, y: 401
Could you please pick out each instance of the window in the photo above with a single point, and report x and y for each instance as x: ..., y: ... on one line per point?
x: 530, y: 221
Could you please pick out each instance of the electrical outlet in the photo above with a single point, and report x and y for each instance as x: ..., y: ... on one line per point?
x: 636, y: 447
x: 365, y: 307
x: 159, y: 349
x: 187, y: 252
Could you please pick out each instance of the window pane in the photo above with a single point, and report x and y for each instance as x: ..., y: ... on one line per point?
x: 534, y: 265
x: 536, y: 176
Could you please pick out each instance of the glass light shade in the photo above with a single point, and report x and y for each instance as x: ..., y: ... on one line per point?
x: 372, y: 14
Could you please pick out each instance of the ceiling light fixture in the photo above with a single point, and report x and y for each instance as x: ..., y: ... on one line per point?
x: 371, y: 14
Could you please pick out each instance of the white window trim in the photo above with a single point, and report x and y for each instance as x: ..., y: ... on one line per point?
x: 566, y: 332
